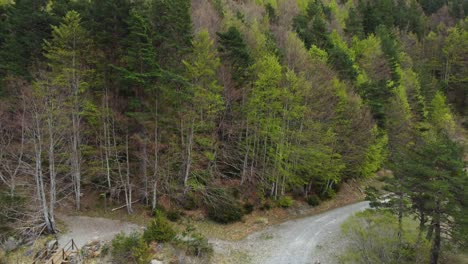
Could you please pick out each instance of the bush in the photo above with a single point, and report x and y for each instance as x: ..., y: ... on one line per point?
x: 266, y: 205
x: 328, y: 194
x: 375, y: 236
x: 313, y: 200
x: 285, y: 201
x: 173, y: 215
x: 195, y: 243
x: 131, y: 248
x: 188, y: 202
x: 225, y: 210
x: 248, y: 207
x: 159, y: 229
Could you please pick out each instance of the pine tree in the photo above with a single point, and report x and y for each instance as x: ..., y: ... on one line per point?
x: 25, y: 27
x: 67, y: 55
x: 233, y: 49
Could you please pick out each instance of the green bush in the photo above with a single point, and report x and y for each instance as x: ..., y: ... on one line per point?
x: 313, y: 200
x: 285, y: 201
x: 188, y: 202
x: 266, y: 205
x: 225, y: 211
x: 130, y: 249
x: 195, y: 243
x: 173, y: 215
x: 376, y: 239
x: 248, y: 207
x: 327, y: 195
x: 159, y: 229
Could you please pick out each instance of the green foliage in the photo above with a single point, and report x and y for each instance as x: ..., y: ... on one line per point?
x: 174, y: 41
x: 11, y: 206
x: 159, y: 230
x: 248, y: 207
x: 233, y: 49
x: 376, y: 154
x: 195, y: 243
x: 130, y: 248
x: 374, y: 236
x: 23, y: 28
x: 327, y: 194
x: 173, y: 215
x: 272, y: 16
x: 68, y: 55
x: 313, y: 200
x: 440, y: 115
x: 202, y: 68
x: 285, y: 201
x: 311, y: 27
x: 455, y: 50
x: 223, y: 208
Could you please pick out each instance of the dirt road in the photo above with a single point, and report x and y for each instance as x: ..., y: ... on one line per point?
x: 315, y: 239
x: 84, y: 229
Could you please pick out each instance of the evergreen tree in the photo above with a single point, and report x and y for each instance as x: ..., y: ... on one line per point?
x: 172, y: 22
x: 26, y: 25
x: 67, y: 55
x: 233, y: 48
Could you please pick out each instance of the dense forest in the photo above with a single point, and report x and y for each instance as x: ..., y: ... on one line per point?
x: 225, y: 105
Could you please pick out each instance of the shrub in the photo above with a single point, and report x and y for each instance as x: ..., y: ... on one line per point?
x: 328, y: 194
x: 248, y: 207
x: 131, y: 248
x: 285, y: 201
x: 173, y: 215
x: 225, y: 210
x: 195, y: 243
x: 159, y: 229
x: 266, y: 205
x: 313, y: 200
x: 376, y: 239
x: 188, y: 202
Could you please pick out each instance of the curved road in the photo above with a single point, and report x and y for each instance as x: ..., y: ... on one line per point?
x: 310, y: 240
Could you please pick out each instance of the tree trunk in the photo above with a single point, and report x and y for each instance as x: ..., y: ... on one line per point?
x: 435, y: 249
x: 50, y: 225
x: 128, y: 197
x: 156, y: 168
x: 188, y: 162
x: 52, y: 173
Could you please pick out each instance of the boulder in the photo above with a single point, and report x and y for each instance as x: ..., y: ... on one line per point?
x: 51, y: 245
x: 155, y: 261
x: 11, y: 244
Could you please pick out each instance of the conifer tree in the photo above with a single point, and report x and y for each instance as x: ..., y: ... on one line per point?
x: 67, y: 55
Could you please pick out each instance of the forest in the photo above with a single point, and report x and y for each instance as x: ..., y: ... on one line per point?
x: 233, y: 105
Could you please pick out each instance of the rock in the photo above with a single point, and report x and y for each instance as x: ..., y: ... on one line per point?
x: 51, y: 245
x: 155, y: 261
x: 10, y: 245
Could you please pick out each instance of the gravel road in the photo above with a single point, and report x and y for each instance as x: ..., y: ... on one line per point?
x: 310, y: 240
x: 84, y: 229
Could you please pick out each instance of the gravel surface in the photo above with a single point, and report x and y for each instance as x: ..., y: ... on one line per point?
x: 315, y: 239
x: 83, y: 229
